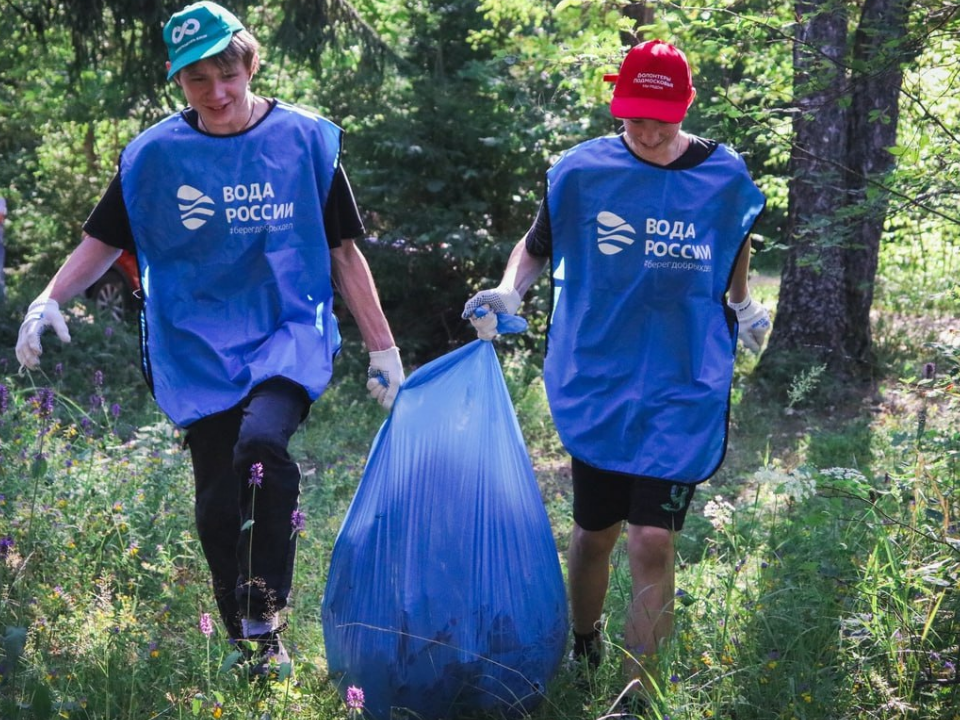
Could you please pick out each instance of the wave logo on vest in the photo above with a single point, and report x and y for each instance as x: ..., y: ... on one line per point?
x: 190, y: 27
x: 195, y: 207
x: 613, y: 233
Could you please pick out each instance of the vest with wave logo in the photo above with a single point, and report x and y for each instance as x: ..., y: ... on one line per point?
x: 233, y: 256
x: 641, y: 345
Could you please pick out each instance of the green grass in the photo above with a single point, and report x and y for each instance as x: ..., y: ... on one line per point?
x: 818, y: 575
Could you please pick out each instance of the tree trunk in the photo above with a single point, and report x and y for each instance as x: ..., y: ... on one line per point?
x: 845, y: 121
x: 874, y: 117
x: 642, y: 14
x: 810, y: 314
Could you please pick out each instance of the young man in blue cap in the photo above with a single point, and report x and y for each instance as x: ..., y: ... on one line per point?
x: 647, y: 237
x: 242, y: 220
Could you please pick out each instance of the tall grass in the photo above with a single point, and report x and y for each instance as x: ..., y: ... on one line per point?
x: 818, y: 575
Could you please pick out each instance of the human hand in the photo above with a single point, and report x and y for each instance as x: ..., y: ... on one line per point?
x: 496, y: 301
x: 41, y: 314
x: 385, y: 376
x: 754, y: 322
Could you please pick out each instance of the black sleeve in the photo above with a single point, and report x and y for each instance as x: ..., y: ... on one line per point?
x: 109, y: 221
x: 540, y: 236
x: 341, y: 217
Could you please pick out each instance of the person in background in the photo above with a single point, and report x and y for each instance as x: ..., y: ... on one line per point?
x: 3, y: 248
x: 647, y: 237
x: 242, y: 221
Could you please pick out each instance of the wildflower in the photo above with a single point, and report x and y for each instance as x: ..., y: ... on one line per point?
x: 355, y: 698
x: 115, y: 410
x: 98, y: 379
x: 42, y: 402
x: 719, y: 511
x: 796, y: 484
x: 298, y: 521
x: 108, y: 331
x: 217, y: 711
x: 206, y: 624
x: 256, y: 474
x: 58, y: 369
x: 674, y: 678
x: 154, y: 650
x: 6, y: 545
x: 4, y: 398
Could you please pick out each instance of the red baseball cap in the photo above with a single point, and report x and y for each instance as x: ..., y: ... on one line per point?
x: 654, y: 82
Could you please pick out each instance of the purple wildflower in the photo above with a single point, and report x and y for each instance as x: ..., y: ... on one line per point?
x: 355, y: 698
x: 298, y: 521
x: 6, y: 543
x: 115, y: 410
x: 98, y: 379
x: 4, y: 398
x: 108, y: 331
x: 42, y: 402
x: 206, y: 624
x: 58, y: 369
x: 256, y: 474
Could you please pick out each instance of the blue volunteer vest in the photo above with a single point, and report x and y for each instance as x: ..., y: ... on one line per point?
x: 233, y: 257
x: 641, y: 344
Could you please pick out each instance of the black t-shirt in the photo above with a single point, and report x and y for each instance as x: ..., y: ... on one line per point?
x: 110, y: 223
x: 539, y: 241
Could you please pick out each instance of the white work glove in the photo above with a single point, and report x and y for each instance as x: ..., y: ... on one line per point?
x: 754, y: 322
x: 499, y: 300
x: 385, y: 376
x: 40, y: 315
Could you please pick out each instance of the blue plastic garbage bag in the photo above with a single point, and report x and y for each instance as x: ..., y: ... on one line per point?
x: 445, y: 595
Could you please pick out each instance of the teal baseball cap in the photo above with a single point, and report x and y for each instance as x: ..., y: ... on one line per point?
x: 197, y: 32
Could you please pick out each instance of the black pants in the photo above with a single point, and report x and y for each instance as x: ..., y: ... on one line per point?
x: 251, y: 564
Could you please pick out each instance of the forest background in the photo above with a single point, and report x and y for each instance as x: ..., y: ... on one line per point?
x: 822, y: 574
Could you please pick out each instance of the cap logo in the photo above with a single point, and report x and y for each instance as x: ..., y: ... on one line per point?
x: 653, y: 81
x: 188, y: 27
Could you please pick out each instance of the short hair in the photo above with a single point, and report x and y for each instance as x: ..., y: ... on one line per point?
x: 243, y: 46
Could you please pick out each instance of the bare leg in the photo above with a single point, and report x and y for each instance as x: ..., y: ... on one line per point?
x: 588, y: 573
x: 650, y: 620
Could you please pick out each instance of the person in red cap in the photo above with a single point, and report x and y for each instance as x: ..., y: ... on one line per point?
x: 647, y: 237
x: 241, y: 217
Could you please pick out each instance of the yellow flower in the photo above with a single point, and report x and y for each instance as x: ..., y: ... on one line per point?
x: 217, y: 711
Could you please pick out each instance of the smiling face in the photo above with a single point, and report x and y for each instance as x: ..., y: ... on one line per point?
x: 220, y: 93
x: 654, y: 141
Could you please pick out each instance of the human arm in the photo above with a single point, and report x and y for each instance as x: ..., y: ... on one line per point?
x: 753, y: 318
x: 85, y: 265
x: 353, y: 279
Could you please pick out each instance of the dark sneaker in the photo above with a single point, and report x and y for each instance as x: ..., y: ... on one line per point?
x: 267, y: 657
x: 588, y: 649
x: 584, y: 660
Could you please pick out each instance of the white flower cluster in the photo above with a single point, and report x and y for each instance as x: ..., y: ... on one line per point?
x: 840, y: 473
x: 719, y: 512
x: 796, y: 484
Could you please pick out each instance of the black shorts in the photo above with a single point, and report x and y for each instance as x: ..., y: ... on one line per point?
x: 602, y: 498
